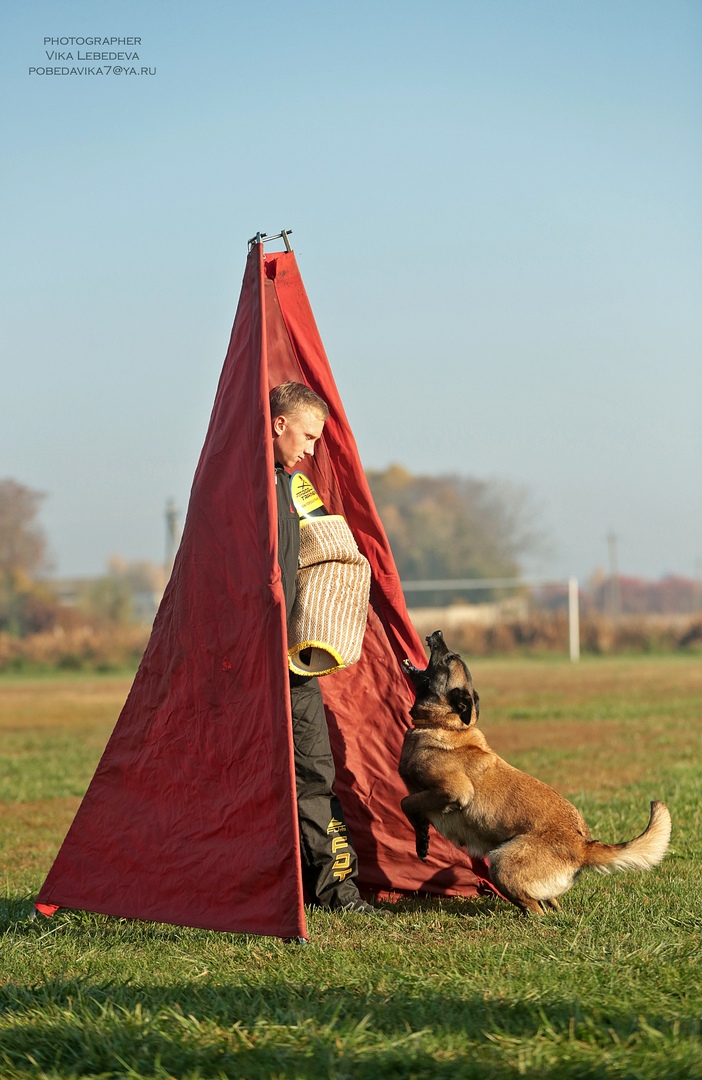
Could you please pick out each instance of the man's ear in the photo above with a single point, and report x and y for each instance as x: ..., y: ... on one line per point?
x: 279, y: 425
x: 461, y: 701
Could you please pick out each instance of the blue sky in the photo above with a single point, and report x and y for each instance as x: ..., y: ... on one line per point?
x: 495, y: 208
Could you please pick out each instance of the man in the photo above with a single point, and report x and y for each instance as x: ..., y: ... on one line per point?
x: 329, y: 864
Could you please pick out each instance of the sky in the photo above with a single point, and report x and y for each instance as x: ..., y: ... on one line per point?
x: 495, y: 207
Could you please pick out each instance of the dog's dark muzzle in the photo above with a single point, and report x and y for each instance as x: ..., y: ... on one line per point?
x: 437, y: 645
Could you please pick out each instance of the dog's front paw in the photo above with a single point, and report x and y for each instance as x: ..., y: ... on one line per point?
x: 423, y: 843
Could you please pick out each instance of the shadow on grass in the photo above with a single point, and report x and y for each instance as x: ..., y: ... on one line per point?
x: 79, y: 1027
x: 17, y: 916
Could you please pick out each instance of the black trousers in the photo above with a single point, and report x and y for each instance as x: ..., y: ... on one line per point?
x: 329, y: 863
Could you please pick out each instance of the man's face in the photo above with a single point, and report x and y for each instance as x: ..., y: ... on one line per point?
x: 294, y: 436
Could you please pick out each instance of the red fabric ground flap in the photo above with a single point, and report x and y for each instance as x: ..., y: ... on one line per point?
x: 190, y: 817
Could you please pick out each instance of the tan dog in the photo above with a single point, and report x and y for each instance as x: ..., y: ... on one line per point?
x: 536, y: 841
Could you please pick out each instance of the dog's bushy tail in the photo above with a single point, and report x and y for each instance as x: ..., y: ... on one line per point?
x: 643, y: 853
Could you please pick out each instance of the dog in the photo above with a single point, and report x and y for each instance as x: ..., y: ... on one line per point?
x: 535, y: 841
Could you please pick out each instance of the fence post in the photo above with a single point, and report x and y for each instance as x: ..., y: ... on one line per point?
x: 574, y: 619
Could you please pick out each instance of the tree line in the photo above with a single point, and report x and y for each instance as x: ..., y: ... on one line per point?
x: 453, y: 527
x: 439, y: 527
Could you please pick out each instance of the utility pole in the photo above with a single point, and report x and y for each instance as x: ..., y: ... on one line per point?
x: 614, y: 599
x: 171, y: 515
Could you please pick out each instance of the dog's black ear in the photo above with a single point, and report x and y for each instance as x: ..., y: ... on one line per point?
x: 476, y: 702
x: 461, y: 701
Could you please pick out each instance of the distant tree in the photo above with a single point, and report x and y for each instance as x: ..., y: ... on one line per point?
x: 141, y: 575
x: 448, y: 527
x: 22, y: 539
x: 107, y: 600
x: 26, y: 606
x: 125, y: 594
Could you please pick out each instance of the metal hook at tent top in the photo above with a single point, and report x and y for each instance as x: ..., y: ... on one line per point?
x: 264, y: 238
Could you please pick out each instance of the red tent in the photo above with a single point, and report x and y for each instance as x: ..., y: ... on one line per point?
x: 190, y: 817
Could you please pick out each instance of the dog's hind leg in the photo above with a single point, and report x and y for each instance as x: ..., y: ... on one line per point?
x: 526, y: 904
x: 517, y: 871
x: 551, y: 903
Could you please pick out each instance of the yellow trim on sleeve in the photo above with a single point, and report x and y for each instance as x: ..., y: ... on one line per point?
x: 314, y: 645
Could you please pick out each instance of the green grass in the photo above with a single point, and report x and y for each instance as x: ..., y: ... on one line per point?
x: 609, y: 987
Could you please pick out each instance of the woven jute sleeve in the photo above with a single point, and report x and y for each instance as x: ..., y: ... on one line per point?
x: 328, y: 620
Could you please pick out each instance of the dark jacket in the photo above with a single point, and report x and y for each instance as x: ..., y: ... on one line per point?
x: 288, y: 536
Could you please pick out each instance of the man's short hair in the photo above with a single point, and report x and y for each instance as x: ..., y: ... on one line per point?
x: 292, y: 397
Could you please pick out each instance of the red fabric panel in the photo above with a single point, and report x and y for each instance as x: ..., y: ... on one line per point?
x: 368, y: 704
x: 190, y: 817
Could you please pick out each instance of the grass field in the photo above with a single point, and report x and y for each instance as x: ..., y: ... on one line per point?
x: 609, y: 987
